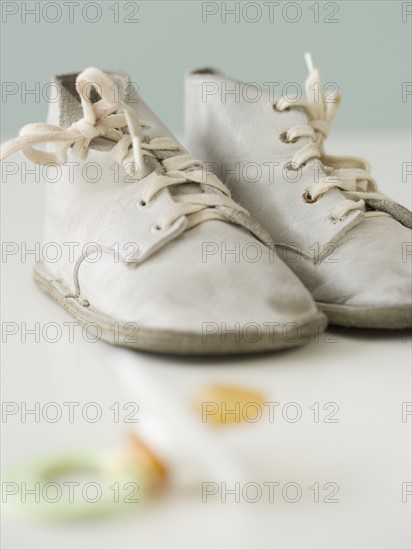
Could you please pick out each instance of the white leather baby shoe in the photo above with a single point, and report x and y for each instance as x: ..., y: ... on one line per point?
x: 342, y: 237
x: 154, y: 253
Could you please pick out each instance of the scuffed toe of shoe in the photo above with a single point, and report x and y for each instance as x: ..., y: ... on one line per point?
x: 229, y: 293
x: 369, y: 284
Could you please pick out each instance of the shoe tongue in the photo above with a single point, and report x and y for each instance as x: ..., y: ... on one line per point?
x: 71, y: 109
x: 121, y: 83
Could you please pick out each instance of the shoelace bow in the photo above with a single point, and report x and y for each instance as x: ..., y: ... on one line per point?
x: 352, y: 175
x: 107, y: 119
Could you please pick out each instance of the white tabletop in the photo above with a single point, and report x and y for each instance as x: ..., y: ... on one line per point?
x: 362, y: 378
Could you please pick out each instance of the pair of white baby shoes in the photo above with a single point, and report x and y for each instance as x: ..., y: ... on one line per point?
x: 251, y: 248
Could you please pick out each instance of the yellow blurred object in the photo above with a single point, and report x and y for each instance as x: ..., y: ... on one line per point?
x: 222, y: 405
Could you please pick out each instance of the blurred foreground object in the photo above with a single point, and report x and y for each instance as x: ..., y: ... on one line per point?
x: 223, y: 404
x: 86, y: 484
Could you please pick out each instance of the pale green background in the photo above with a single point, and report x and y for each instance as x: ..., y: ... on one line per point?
x: 368, y: 53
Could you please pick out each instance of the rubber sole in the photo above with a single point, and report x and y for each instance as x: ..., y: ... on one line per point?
x: 135, y: 336
x: 380, y: 318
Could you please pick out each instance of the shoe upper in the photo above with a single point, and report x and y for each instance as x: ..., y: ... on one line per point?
x: 331, y: 224
x: 146, y: 223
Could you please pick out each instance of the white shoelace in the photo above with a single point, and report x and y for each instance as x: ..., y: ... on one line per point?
x: 353, y: 173
x: 107, y: 119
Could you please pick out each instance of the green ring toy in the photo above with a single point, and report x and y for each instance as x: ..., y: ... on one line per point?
x: 42, y: 489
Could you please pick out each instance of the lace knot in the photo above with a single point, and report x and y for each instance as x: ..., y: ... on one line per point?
x: 87, y: 130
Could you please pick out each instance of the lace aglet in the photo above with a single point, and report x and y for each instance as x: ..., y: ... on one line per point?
x: 309, y: 62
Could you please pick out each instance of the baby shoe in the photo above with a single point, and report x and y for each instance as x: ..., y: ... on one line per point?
x: 155, y: 255
x: 346, y: 241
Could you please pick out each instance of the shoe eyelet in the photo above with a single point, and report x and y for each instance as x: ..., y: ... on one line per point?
x: 328, y: 169
x: 275, y: 108
x: 333, y: 220
x: 156, y: 228
x: 293, y: 166
x: 284, y: 139
x: 307, y: 197
x: 141, y: 204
